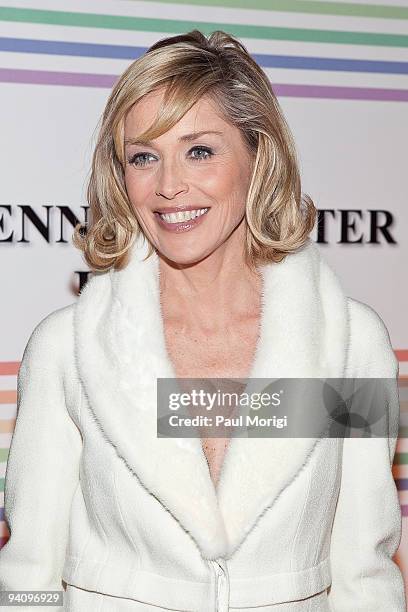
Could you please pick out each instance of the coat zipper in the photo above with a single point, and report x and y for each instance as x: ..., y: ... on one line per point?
x: 221, y: 575
x: 221, y: 584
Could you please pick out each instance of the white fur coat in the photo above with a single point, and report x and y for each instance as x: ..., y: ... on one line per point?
x: 129, y: 517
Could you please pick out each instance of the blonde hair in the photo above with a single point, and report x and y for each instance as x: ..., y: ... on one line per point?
x: 278, y: 217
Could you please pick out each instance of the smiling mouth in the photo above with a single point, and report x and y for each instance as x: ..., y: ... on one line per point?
x: 182, y: 216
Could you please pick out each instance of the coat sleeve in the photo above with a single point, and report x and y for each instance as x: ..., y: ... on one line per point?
x: 366, y: 530
x: 42, y: 471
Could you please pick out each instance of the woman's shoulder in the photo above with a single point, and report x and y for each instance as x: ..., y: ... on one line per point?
x: 51, y: 343
x: 370, y: 348
x: 53, y: 337
x: 47, y: 381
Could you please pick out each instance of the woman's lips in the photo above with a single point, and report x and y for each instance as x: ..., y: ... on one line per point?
x: 181, y: 226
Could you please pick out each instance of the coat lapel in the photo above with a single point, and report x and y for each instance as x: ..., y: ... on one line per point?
x: 120, y: 353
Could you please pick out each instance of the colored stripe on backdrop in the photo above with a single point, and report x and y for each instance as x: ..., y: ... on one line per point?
x: 4, y: 532
x: 51, y: 47
x: 346, y: 9
x: 81, y: 79
x: 8, y: 396
x: 401, y: 459
x: 7, y: 425
x: 402, y: 484
x: 9, y: 368
x: 147, y: 24
x: 48, y: 77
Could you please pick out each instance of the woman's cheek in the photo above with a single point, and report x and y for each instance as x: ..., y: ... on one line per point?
x: 134, y: 190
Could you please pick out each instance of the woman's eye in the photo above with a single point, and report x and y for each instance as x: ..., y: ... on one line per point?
x: 206, y: 150
x: 137, y: 159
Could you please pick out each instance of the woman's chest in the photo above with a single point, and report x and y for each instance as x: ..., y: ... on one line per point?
x: 226, y: 354
x: 214, y: 356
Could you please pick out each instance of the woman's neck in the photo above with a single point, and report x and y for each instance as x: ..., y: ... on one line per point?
x: 209, y: 295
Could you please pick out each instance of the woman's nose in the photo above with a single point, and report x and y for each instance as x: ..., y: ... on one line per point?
x: 171, y: 180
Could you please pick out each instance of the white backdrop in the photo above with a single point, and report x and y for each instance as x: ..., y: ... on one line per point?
x: 340, y: 78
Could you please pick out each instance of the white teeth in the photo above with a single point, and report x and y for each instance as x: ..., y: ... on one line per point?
x: 183, y: 216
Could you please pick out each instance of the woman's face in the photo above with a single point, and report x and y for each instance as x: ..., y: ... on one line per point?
x: 184, y: 169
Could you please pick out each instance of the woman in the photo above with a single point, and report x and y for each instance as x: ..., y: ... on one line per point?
x: 129, y: 520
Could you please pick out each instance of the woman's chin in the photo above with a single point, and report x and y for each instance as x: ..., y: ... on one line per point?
x: 185, y: 255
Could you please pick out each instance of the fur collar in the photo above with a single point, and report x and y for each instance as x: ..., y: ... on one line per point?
x: 120, y: 352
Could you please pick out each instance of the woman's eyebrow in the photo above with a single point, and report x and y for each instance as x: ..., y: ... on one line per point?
x: 185, y: 138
